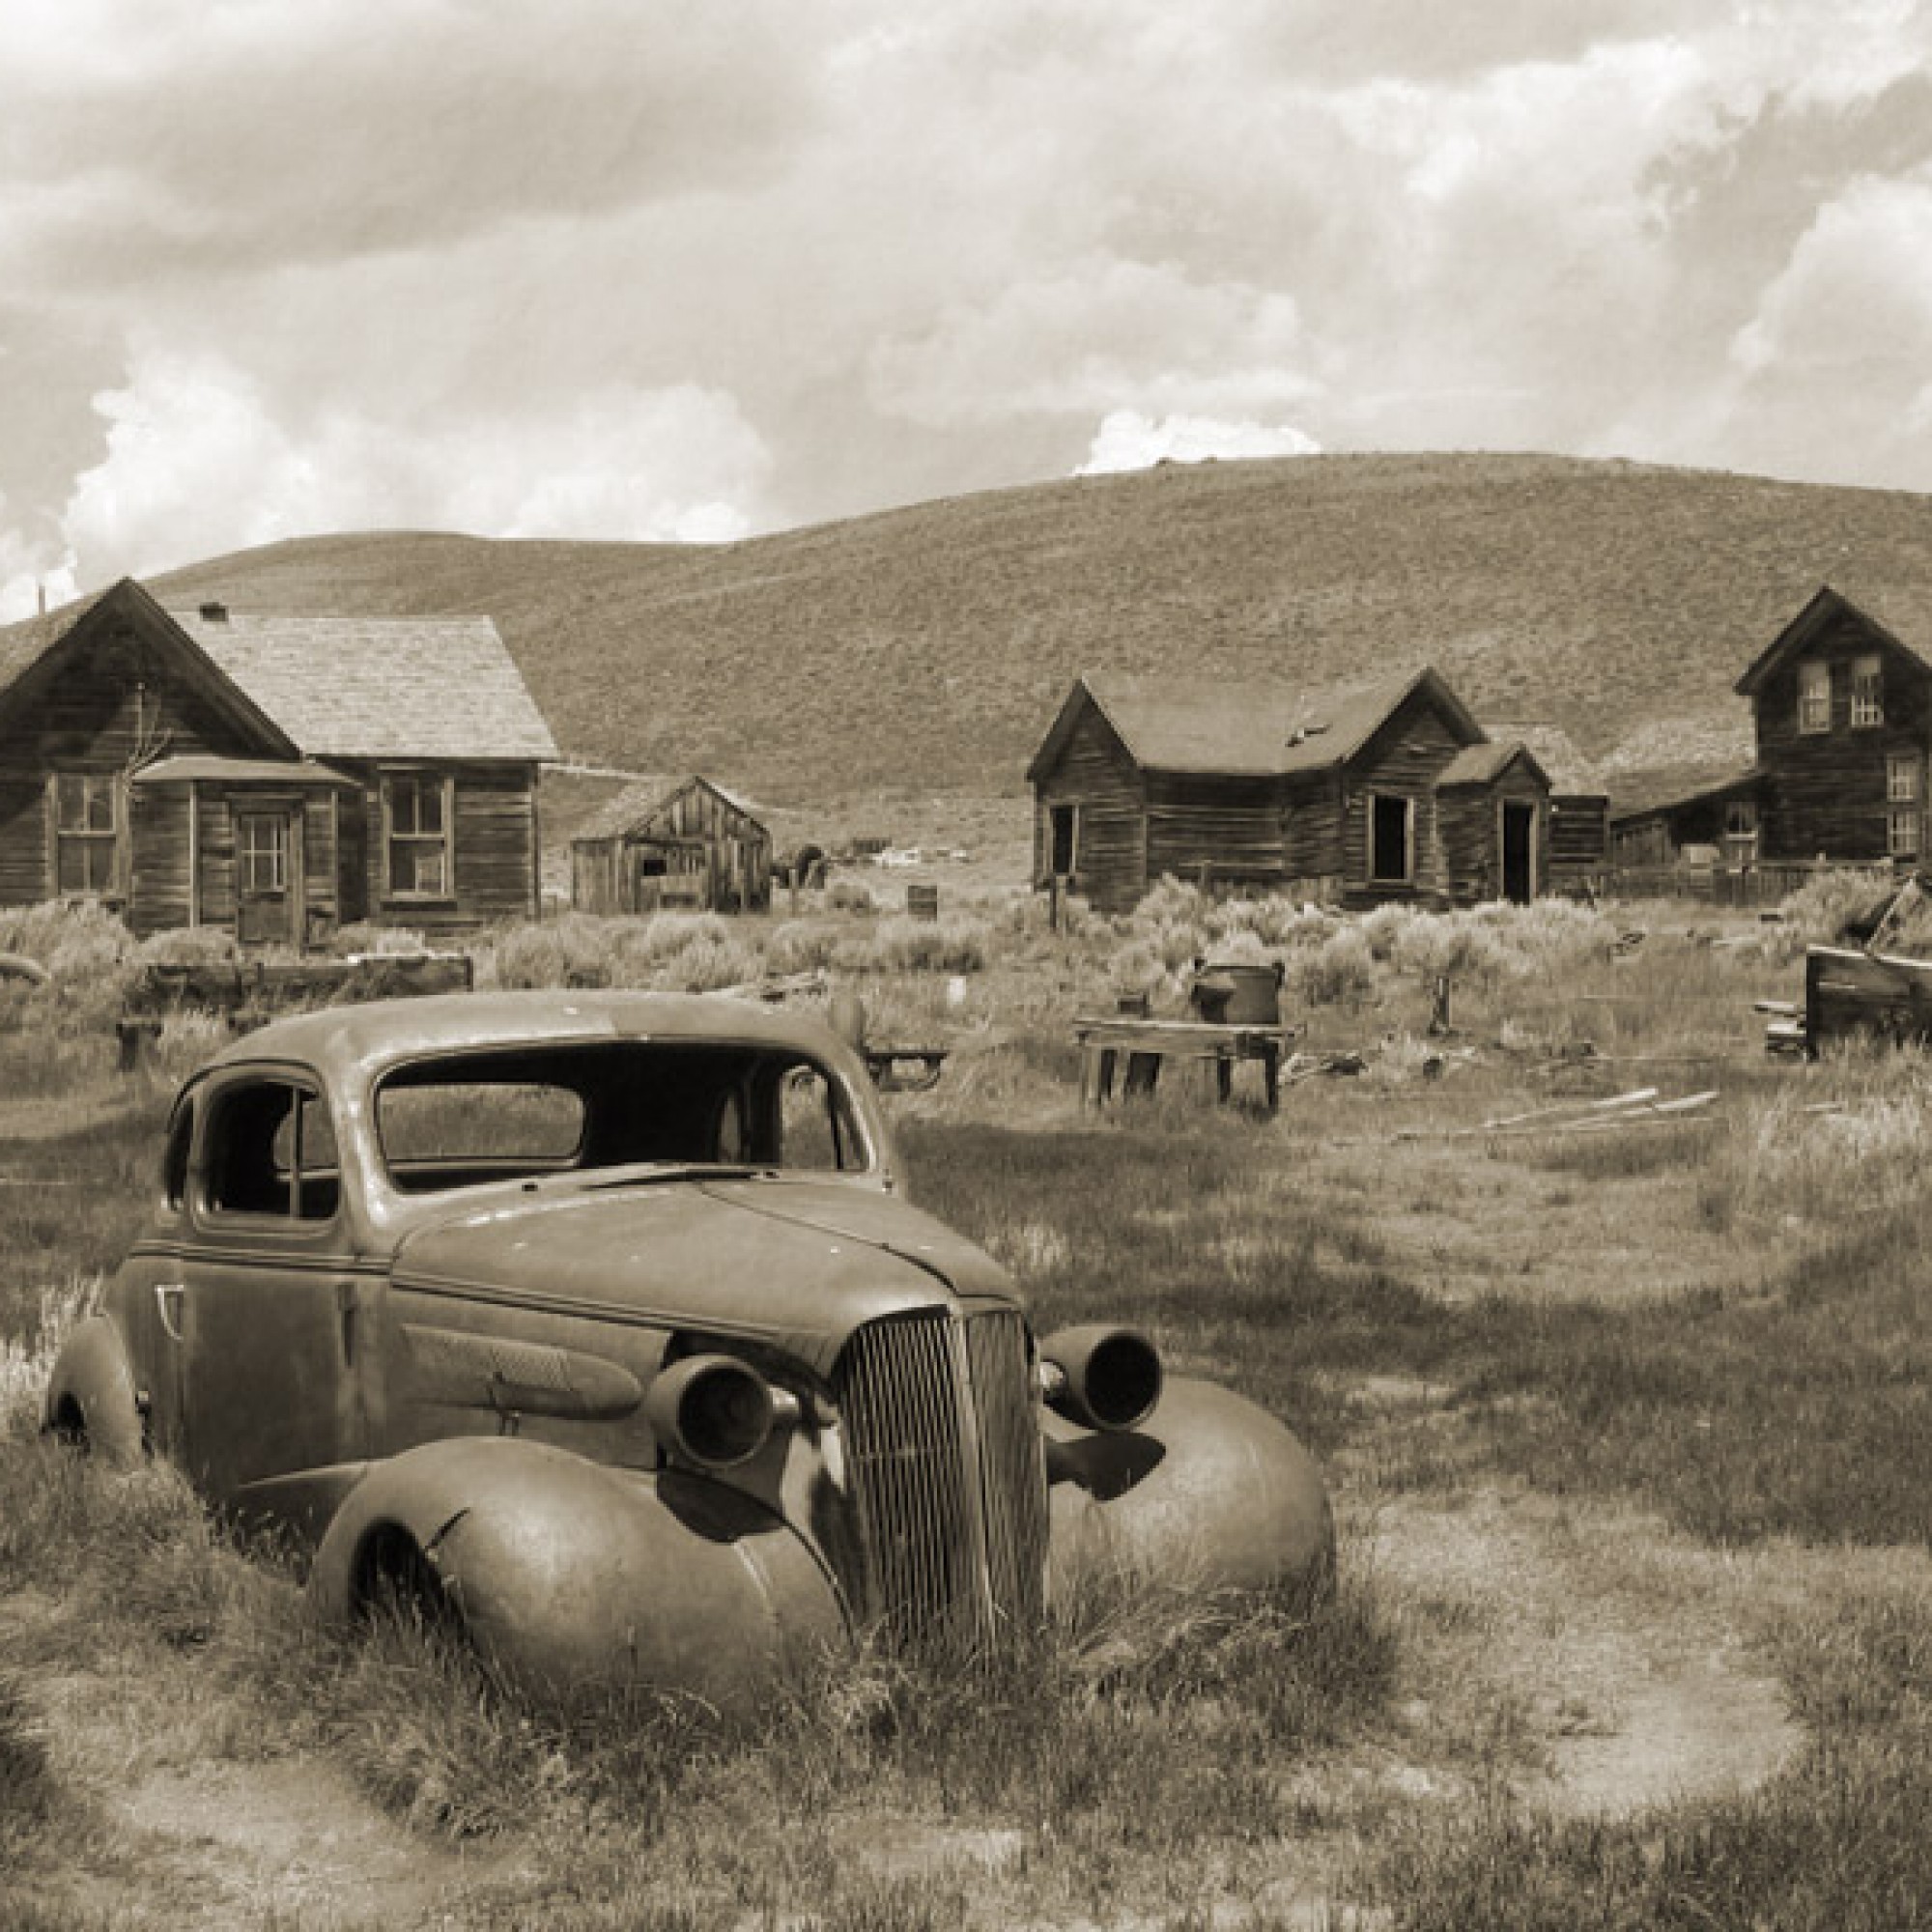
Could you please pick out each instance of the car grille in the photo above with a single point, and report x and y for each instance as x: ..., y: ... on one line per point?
x: 944, y: 1450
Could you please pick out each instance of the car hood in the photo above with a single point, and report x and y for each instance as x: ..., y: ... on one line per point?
x: 798, y: 1263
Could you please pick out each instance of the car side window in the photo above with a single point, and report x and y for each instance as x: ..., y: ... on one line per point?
x: 270, y: 1150
x: 816, y: 1126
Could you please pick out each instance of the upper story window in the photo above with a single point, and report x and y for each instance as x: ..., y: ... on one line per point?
x: 1867, y: 691
x: 1901, y: 777
x: 420, y: 835
x: 1814, y: 697
x: 87, y: 832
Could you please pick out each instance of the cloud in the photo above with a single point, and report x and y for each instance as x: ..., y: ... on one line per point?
x: 1126, y: 439
x: 1079, y: 342
x: 200, y: 461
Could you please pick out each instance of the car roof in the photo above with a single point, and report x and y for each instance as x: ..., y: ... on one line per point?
x: 342, y: 1043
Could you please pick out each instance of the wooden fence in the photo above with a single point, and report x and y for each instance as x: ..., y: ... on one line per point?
x: 1752, y: 887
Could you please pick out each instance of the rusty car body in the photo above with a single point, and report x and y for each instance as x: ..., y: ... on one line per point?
x: 600, y: 1323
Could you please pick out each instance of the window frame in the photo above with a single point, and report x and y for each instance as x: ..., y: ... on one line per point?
x: 1407, y: 876
x: 1867, y: 680
x: 247, y: 817
x: 421, y: 782
x: 1814, y: 697
x: 89, y: 839
x: 1903, y: 830
x: 212, y: 1105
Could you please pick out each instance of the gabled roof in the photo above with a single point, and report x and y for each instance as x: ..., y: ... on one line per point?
x: 1571, y: 774
x: 641, y: 801
x: 1888, y: 613
x: 125, y: 605
x: 1484, y: 764
x: 380, y: 687
x: 1243, y: 730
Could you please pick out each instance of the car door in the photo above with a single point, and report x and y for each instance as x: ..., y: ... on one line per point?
x: 271, y: 1308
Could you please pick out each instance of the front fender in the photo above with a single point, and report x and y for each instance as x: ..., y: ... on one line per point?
x: 572, y: 1576
x: 1212, y: 1493
x: 90, y: 1393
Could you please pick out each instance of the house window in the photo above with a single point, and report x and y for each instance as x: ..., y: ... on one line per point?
x: 1391, y: 838
x: 1867, y: 691
x: 1741, y: 830
x: 262, y: 852
x: 86, y: 832
x: 1063, y: 839
x: 421, y: 835
x: 1902, y: 782
x: 1814, y: 697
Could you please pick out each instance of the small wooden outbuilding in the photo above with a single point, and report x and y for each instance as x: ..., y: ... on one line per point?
x: 668, y: 842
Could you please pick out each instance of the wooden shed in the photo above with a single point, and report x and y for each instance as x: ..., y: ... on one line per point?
x: 272, y: 777
x: 671, y: 843
x: 1333, y: 795
x: 1579, y: 808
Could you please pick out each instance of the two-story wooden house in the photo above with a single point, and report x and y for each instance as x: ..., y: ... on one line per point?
x: 274, y: 777
x: 1385, y: 792
x: 1841, y: 709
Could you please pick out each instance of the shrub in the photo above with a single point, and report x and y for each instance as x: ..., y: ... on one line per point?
x: 957, y: 943
x: 1342, y: 968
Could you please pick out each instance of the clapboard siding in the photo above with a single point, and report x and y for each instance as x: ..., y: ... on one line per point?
x: 1580, y: 837
x: 1404, y: 759
x: 1223, y: 831
x: 1095, y: 773
x: 160, y: 826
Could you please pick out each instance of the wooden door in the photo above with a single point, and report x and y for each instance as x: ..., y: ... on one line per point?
x: 1519, y: 841
x: 267, y: 867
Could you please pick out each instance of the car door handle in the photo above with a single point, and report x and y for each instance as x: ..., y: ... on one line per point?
x: 169, y: 1297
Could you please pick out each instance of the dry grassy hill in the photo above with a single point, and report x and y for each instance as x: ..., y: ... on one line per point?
x: 925, y: 650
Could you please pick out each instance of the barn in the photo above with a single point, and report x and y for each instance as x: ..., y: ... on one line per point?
x: 672, y: 842
x: 1388, y: 792
x: 274, y: 777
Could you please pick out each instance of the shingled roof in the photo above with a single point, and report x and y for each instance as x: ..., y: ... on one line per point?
x: 378, y: 686
x: 639, y: 800
x: 1244, y: 730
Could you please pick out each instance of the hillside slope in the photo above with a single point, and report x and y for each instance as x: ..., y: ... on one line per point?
x: 925, y: 650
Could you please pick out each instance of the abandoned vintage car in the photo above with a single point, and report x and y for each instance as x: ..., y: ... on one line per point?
x: 599, y: 1323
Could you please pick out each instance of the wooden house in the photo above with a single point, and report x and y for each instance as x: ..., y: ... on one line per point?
x: 1841, y: 712
x: 1388, y: 792
x: 672, y: 842
x: 274, y: 777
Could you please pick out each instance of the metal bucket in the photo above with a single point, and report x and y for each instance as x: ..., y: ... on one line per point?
x: 1241, y: 994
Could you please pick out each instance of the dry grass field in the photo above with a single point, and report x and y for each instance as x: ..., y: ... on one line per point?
x: 1630, y: 1429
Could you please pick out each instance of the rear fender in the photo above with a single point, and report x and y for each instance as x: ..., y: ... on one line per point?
x: 1210, y: 1493
x: 92, y: 1396
x: 569, y: 1575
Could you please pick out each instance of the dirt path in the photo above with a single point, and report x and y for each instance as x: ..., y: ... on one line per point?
x: 1616, y: 1659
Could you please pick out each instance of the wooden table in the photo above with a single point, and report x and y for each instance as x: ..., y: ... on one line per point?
x: 1146, y: 1043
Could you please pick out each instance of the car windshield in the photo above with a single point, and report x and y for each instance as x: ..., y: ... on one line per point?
x: 464, y: 1120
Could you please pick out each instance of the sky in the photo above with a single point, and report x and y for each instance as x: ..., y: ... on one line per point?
x: 697, y: 270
